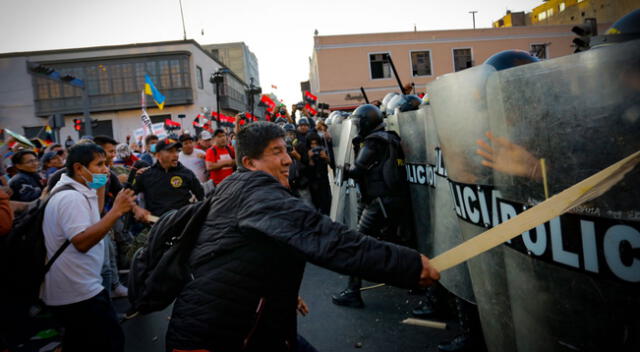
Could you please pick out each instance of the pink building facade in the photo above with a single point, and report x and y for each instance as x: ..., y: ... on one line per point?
x: 341, y: 64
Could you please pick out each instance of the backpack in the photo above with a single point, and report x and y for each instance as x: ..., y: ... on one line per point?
x: 24, y: 253
x: 23, y: 263
x: 160, y: 269
x: 393, y: 169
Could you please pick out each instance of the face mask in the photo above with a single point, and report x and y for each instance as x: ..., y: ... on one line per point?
x: 152, y: 148
x: 98, y: 180
x: 320, y: 133
x: 233, y: 143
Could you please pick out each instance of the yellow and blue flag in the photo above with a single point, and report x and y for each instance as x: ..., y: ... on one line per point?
x: 150, y: 89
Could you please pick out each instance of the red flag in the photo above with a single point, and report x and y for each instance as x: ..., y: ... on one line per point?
x: 310, y: 97
x: 311, y: 109
x: 171, y: 123
x: 268, y: 102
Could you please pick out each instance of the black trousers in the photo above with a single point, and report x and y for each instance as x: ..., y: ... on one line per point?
x: 90, y: 325
x: 380, y: 219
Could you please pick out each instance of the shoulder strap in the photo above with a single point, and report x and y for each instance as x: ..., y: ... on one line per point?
x: 66, y: 243
x: 231, y: 154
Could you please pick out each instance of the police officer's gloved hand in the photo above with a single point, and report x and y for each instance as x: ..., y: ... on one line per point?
x: 345, y: 173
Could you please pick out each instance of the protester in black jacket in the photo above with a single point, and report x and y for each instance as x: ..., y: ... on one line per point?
x: 251, y: 252
x: 26, y: 184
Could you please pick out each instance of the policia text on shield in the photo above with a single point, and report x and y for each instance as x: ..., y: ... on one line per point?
x: 573, y: 196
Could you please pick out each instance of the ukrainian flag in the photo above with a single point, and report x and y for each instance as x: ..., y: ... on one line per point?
x: 150, y: 89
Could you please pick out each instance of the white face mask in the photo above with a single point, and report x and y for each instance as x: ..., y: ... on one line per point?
x: 320, y: 133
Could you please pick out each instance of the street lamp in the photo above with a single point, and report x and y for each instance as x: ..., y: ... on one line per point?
x: 251, y: 93
x: 217, y: 78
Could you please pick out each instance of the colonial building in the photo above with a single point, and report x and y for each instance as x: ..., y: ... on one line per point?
x: 114, y: 77
x: 341, y: 64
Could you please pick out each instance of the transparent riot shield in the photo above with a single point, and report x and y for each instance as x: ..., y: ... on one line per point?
x: 437, y: 227
x: 573, y: 282
x: 335, y: 129
x: 344, y: 202
x: 459, y: 108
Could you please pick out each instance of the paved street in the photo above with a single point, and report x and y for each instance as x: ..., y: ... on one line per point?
x: 328, y: 327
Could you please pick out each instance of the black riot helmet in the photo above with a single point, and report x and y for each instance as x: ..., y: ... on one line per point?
x: 624, y: 29
x: 289, y: 127
x: 409, y: 103
x: 369, y: 118
x: 385, y: 102
x: 394, y: 103
x: 510, y: 58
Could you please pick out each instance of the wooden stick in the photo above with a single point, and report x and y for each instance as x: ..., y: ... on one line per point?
x: 371, y: 287
x: 425, y: 323
x: 577, y: 194
x: 152, y: 219
x: 543, y: 169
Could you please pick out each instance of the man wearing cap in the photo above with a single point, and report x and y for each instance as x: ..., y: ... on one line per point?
x: 167, y: 184
x: 221, y: 158
x: 204, y: 142
x: 51, y: 162
x: 192, y: 157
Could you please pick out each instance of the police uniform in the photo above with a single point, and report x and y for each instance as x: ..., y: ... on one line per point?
x: 165, y: 190
x: 383, y: 195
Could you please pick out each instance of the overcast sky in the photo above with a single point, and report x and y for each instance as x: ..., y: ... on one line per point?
x: 279, y: 32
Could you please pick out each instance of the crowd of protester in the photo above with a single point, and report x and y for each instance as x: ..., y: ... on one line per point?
x: 112, y: 178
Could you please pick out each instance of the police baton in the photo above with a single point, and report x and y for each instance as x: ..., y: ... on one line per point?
x: 395, y: 73
x: 364, y: 95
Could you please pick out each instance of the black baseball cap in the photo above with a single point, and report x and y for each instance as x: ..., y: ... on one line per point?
x: 167, y: 143
x: 185, y: 137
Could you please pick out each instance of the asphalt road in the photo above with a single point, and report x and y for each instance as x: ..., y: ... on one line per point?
x: 328, y: 327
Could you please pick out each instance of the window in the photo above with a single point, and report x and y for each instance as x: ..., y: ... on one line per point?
x: 421, y: 63
x: 542, y: 16
x: 379, y: 66
x: 539, y: 51
x: 462, y: 59
x: 562, y: 6
x: 549, y: 13
x: 199, y: 77
x: 214, y: 53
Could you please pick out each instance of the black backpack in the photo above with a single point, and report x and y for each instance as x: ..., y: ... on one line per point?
x: 393, y: 168
x: 23, y: 264
x: 24, y: 253
x: 160, y: 269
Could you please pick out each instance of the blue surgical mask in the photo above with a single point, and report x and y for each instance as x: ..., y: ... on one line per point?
x: 98, y: 180
x: 152, y: 148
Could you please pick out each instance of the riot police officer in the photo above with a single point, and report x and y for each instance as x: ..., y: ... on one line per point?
x: 379, y: 171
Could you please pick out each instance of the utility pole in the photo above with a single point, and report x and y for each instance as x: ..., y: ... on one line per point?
x: 184, y: 30
x: 473, y: 13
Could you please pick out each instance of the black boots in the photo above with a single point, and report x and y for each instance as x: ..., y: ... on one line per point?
x: 348, y: 298
x: 458, y: 344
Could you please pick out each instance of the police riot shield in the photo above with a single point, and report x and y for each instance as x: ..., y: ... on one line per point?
x: 437, y: 228
x: 344, y: 201
x: 335, y: 130
x: 574, y: 281
x: 460, y: 112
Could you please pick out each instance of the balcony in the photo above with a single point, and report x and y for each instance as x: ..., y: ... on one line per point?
x: 109, y: 102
